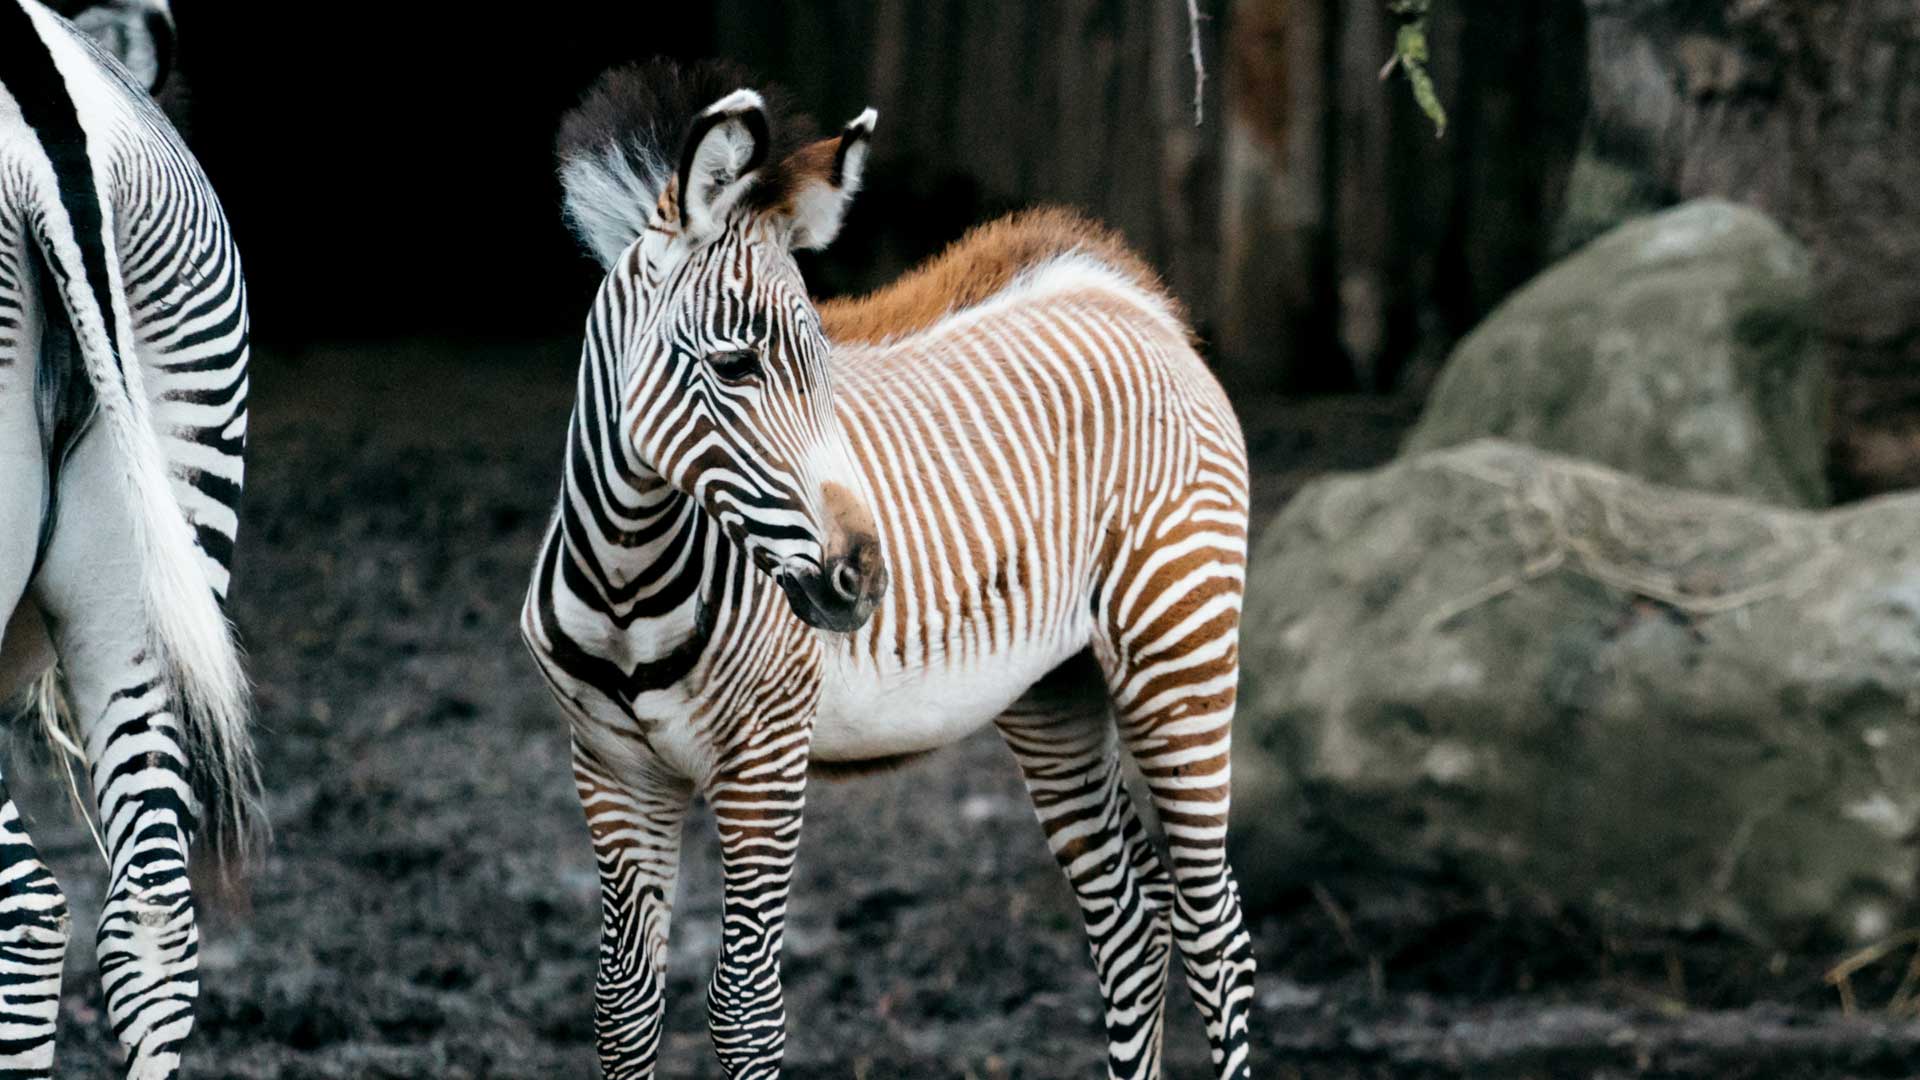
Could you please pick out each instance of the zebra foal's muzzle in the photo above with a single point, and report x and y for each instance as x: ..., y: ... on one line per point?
x: 842, y: 595
x: 852, y: 578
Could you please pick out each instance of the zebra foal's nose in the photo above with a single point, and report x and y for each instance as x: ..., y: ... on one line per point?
x: 852, y: 574
x: 858, y: 575
x: 845, y: 590
x: 846, y: 580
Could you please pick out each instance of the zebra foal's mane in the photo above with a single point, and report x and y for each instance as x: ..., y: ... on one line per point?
x: 621, y: 148
x: 618, y: 150
x: 984, y: 263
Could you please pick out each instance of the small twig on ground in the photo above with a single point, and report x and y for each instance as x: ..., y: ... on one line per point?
x: 1343, y: 926
x: 1840, y: 976
x: 1903, y: 999
x: 1676, y: 977
x: 1845, y: 986
x: 1199, y: 66
x: 1664, y: 1004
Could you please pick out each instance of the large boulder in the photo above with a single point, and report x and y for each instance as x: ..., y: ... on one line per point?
x: 1556, y: 679
x: 1679, y: 347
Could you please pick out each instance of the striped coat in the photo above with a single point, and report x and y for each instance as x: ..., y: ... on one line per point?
x: 794, y: 538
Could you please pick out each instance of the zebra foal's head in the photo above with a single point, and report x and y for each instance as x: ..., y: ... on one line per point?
x: 693, y: 193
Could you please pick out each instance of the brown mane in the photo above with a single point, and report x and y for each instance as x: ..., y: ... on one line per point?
x: 976, y: 267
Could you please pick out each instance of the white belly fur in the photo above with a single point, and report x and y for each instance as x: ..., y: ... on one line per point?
x: 867, y: 713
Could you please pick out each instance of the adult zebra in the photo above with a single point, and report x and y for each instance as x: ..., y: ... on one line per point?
x: 1019, y: 435
x: 123, y: 385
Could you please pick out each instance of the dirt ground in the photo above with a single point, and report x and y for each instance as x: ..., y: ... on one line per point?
x: 429, y: 906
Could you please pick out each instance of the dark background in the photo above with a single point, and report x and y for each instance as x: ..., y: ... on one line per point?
x: 388, y: 167
x: 389, y: 171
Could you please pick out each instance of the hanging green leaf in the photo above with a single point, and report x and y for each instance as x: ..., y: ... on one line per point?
x: 1410, y: 56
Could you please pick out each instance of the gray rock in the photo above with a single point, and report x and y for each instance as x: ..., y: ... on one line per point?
x: 1575, y: 686
x: 1808, y: 111
x: 1679, y: 348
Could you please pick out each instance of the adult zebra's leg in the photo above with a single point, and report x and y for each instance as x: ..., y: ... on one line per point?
x: 34, y: 921
x: 1063, y: 736
x: 757, y: 807
x: 34, y: 925
x: 89, y: 588
x: 148, y: 943
x: 636, y: 830
x: 1172, y: 672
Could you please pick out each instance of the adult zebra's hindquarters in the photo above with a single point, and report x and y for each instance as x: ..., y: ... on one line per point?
x: 123, y: 356
x: 1055, y: 484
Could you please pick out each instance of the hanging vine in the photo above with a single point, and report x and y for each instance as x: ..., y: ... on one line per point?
x: 1410, y: 56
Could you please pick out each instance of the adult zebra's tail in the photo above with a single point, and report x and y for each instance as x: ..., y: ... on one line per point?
x: 189, y: 633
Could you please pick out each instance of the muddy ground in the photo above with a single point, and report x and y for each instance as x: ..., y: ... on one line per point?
x: 429, y: 907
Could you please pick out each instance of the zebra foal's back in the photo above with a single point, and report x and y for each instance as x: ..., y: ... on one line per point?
x: 1030, y: 415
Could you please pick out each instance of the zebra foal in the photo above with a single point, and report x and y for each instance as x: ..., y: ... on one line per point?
x: 123, y: 388
x: 1002, y: 490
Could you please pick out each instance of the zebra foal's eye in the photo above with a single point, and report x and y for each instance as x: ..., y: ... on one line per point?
x: 735, y: 365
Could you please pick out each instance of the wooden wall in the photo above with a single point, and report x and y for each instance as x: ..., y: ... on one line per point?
x: 1314, y: 224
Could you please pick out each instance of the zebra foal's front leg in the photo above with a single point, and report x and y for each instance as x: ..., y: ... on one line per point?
x: 757, y: 807
x: 34, y: 925
x: 636, y: 828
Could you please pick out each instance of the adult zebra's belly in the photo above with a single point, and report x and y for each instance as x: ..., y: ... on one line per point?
x: 867, y: 711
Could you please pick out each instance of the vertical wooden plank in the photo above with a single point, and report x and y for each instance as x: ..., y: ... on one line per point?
x: 1271, y: 317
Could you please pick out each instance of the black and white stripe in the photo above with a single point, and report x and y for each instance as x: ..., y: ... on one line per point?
x: 119, y: 282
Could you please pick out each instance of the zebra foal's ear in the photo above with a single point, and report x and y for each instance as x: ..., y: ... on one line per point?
x: 825, y: 178
x: 728, y: 142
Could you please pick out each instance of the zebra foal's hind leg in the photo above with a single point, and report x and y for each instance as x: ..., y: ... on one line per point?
x: 1172, y: 668
x: 1063, y: 736
x: 636, y: 830
x: 33, y: 947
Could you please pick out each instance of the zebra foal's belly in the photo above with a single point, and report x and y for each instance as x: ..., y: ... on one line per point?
x: 869, y: 711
